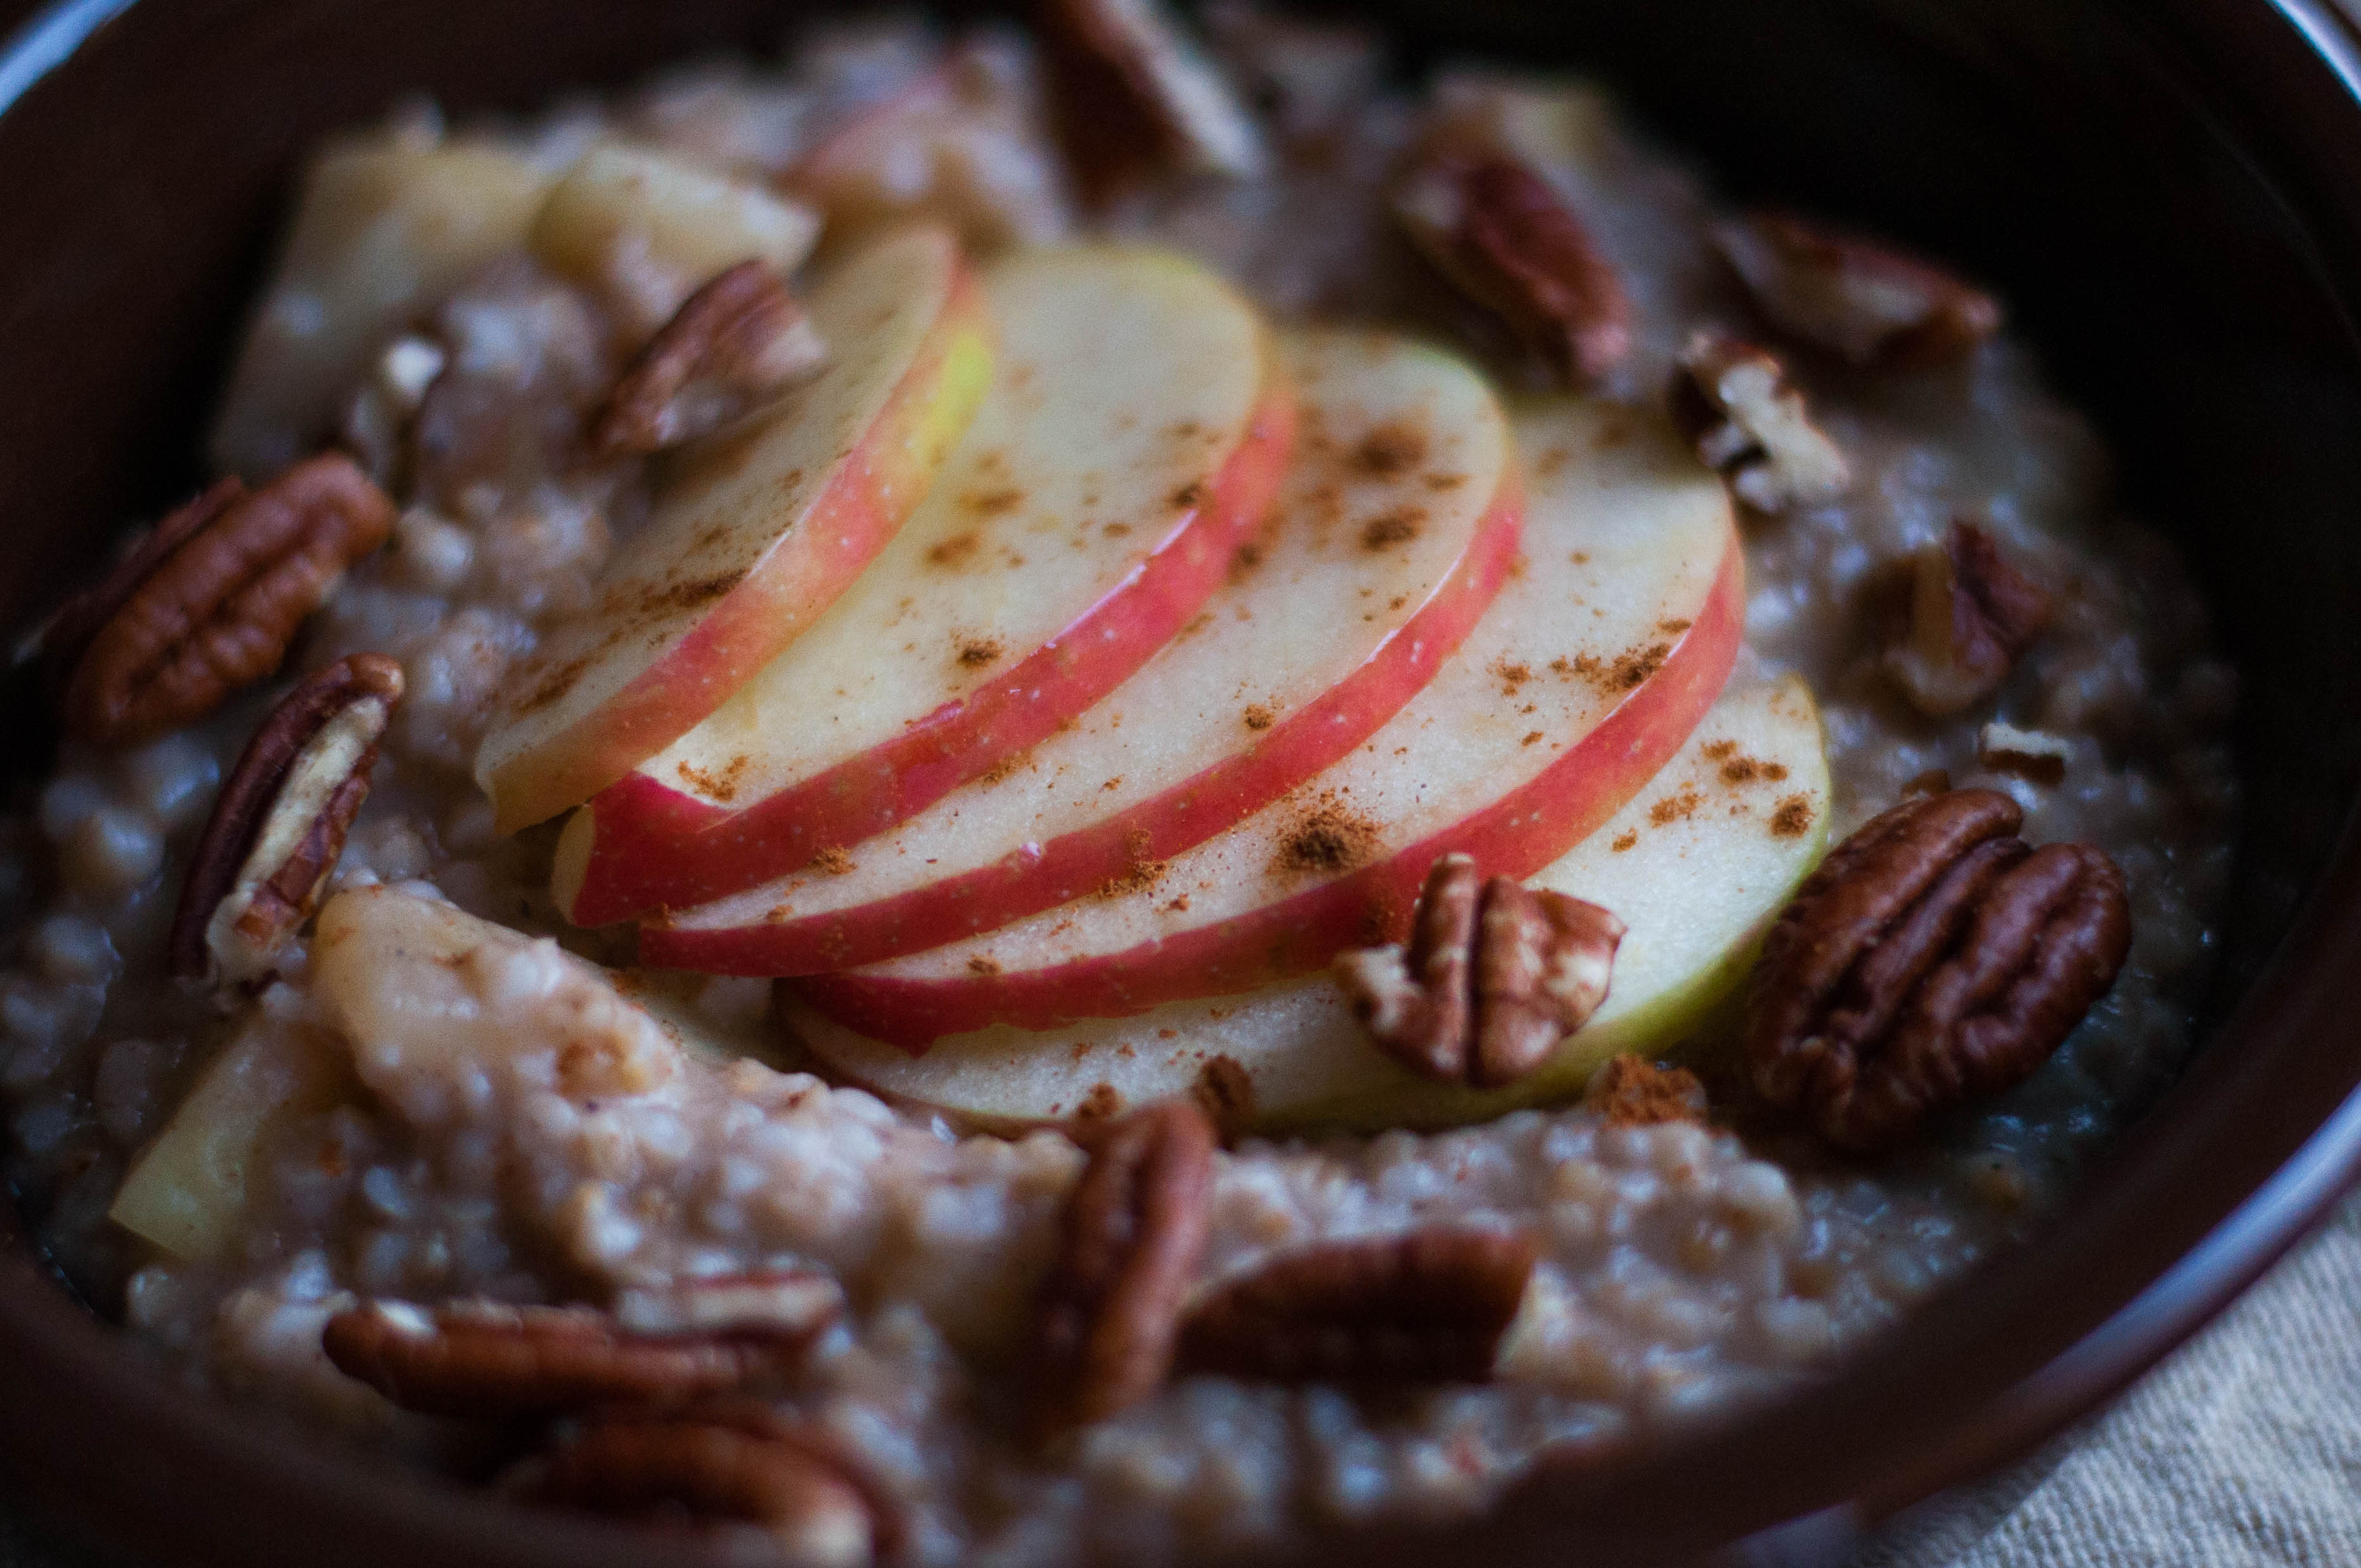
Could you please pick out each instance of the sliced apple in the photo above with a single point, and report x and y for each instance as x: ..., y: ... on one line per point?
x: 1135, y: 431
x: 1584, y: 676
x: 753, y: 534
x: 385, y: 228
x: 1396, y: 439
x: 645, y: 228
x: 1698, y: 864
x: 187, y: 1191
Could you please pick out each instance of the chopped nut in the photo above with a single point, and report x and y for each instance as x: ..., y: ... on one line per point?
x: 732, y: 344
x: 210, y: 601
x: 485, y: 1360
x: 1632, y: 1092
x: 1858, y: 298
x: 1429, y: 1306
x: 1498, y: 231
x: 1970, y: 613
x: 380, y: 412
x: 2027, y: 753
x: 1133, y: 1232
x: 278, y: 825
x: 1493, y: 977
x: 1933, y: 958
x: 1734, y: 401
x: 1133, y: 93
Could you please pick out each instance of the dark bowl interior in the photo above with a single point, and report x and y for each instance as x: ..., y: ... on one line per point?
x: 2169, y: 194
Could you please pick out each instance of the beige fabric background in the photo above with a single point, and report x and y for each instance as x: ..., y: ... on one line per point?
x: 2242, y: 1451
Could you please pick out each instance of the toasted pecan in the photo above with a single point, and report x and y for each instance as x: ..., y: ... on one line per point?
x: 487, y: 1360
x: 1494, y: 976
x: 1933, y: 959
x: 735, y: 342
x: 211, y: 601
x: 1967, y: 615
x: 1429, y: 1306
x: 1865, y: 301
x: 277, y: 826
x: 1130, y: 1238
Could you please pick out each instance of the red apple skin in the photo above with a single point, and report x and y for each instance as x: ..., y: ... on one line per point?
x: 753, y: 619
x: 653, y: 847
x: 1192, y: 811
x: 1514, y: 836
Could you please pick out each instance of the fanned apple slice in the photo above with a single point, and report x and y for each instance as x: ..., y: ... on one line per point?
x: 1401, y: 505
x: 1136, y: 428
x: 1698, y: 865
x: 1586, y: 672
x: 754, y: 532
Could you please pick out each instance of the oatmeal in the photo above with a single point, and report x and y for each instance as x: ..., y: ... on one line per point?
x: 1049, y: 797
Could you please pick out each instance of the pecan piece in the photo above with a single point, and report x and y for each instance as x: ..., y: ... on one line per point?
x: 710, y: 1469
x: 1132, y: 94
x: 1933, y: 958
x: 794, y: 1304
x: 1130, y: 1238
x: 2030, y: 754
x: 1967, y: 616
x: 1632, y: 1092
x: 733, y: 343
x: 1493, y: 977
x: 1429, y: 1306
x: 1864, y: 301
x: 1734, y: 401
x: 483, y: 1359
x: 277, y: 826
x: 210, y: 601
x: 1512, y: 245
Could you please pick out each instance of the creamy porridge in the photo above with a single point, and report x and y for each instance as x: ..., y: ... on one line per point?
x: 782, y: 459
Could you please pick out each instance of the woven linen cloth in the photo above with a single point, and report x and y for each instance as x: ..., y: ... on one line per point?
x: 2242, y: 1451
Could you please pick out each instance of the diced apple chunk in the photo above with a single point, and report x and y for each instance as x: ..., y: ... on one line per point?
x: 1698, y: 864
x: 383, y: 231
x: 443, y: 1009
x: 187, y: 1191
x: 645, y: 229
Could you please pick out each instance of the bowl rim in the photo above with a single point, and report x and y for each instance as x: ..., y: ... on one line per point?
x: 202, y: 1478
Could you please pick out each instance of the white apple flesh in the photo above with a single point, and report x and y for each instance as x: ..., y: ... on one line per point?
x: 753, y: 533
x: 1589, y: 671
x: 1134, y: 432
x: 1256, y: 696
x: 1697, y: 865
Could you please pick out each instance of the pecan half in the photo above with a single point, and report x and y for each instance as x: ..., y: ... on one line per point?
x: 1493, y: 977
x: 278, y: 825
x: 732, y: 344
x: 1429, y: 1306
x: 1130, y: 1238
x: 1967, y: 616
x: 487, y: 1360
x: 710, y: 1470
x: 210, y: 602
x: 1632, y: 1092
x: 1132, y: 94
x: 1734, y: 401
x: 1512, y: 245
x: 1933, y: 958
x: 1865, y: 301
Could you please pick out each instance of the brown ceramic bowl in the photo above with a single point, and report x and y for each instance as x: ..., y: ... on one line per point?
x: 2170, y: 192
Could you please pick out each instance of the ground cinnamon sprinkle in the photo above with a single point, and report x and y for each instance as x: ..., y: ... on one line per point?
x: 981, y: 964
x: 1394, y: 447
x: 1674, y: 809
x: 1260, y: 716
x: 1630, y: 1091
x: 977, y: 652
x: 832, y: 861
x: 1004, y: 768
x: 1141, y: 873
x: 1625, y: 839
x: 1225, y: 1092
x: 1396, y: 527
x: 1792, y: 818
x: 1330, y: 835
